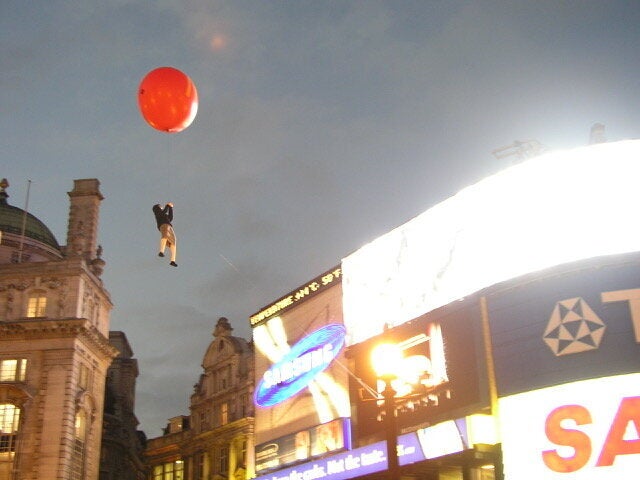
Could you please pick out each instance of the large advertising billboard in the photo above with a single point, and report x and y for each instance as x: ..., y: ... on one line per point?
x: 301, y: 398
x: 573, y: 322
x: 582, y: 430
x: 441, y: 376
x: 560, y: 207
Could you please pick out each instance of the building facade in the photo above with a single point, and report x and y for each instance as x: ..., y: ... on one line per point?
x: 54, y: 341
x: 216, y: 441
x: 122, y: 443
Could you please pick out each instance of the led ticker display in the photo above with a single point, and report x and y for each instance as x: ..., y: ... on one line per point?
x: 582, y: 430
x: 505, y: 226
x: 315, y: 286
x: 300, y: 365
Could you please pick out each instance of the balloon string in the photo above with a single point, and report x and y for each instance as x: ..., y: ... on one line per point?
x: 169, y: 153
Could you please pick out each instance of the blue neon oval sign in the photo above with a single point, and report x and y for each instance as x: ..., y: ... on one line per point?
x: 306, y: 359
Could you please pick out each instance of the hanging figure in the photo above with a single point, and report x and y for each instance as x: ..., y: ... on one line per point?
x: 164, y: 217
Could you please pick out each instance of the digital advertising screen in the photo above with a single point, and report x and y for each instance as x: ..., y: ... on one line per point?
x: 303, y: 445
x: 556, y: 208
x: 582, y: 430
x: 441, y: 374
x: 573, y: 322
x: 301, y: 378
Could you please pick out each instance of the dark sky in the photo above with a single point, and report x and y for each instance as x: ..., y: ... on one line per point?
x: 321, y: 125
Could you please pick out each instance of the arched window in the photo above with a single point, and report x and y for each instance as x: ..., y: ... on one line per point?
x: 37, y: 304
x: 11, y: 412
x: 9, y: 425
x: 79, y: 439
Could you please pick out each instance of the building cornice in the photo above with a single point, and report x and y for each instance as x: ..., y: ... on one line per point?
x: 68, y: 267
x: 70, y: 328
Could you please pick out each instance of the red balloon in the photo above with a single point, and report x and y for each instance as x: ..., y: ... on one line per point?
x: 168, y: 99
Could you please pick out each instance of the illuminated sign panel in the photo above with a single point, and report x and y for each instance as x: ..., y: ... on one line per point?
x: 361, y: 461
x: 445, y: 345
x: 299, y: 365
x: 575, y: 322
x: 438, y: 440
x: 304, y: 445
x: 582, y: 430
x: 553, y: 209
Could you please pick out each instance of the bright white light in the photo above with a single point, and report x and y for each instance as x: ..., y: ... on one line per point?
x: 552, y: 209
x: 481, y: 429
x: 415, y: 367
x: 386, y: 360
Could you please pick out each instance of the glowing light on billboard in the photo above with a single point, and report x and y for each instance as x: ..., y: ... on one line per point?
x: 588, y: 429
x: 552, y: 209
x: 300, y: 366
x: 408, y: 372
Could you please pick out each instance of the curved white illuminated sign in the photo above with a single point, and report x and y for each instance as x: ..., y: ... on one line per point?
x: 552, y: 209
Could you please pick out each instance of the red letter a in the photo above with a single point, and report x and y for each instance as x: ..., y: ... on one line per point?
x: 614, y: 445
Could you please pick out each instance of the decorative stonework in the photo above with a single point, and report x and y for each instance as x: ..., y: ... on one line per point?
x: 60, y: 344
x: 51, y: 283
x: 86, y: 402
x: 20, y: 286
x: 62, y: 298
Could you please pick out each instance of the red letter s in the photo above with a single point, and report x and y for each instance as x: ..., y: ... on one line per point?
x: 576, y: 439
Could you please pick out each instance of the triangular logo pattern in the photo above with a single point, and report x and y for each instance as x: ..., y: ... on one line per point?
x: 573, y: 327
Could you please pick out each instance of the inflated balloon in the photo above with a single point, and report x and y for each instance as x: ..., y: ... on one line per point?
x: 168, y: 99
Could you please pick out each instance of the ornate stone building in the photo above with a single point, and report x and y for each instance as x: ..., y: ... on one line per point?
x: 215, y: 442
x: 122, y: 443
x: 54, y: 342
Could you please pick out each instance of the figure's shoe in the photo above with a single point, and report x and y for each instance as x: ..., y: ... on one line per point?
x: 160, y: 254
x: 173, y: 264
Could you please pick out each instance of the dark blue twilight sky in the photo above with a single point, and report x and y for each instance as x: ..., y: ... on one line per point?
x: 321, y: 125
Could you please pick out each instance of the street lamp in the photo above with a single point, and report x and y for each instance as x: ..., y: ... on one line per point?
x: 386, y: 360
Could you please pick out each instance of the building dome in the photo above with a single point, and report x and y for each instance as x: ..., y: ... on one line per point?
x: 12, y: 218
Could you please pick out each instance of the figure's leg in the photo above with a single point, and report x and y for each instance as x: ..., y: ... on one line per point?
x: 163, y: 246
x: 164, y: 238
x: 171, y: 243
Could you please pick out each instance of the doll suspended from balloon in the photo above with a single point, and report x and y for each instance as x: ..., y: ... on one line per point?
x: 168, y: 101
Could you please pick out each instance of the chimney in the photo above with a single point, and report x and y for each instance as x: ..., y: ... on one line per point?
x: 82, y: 231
